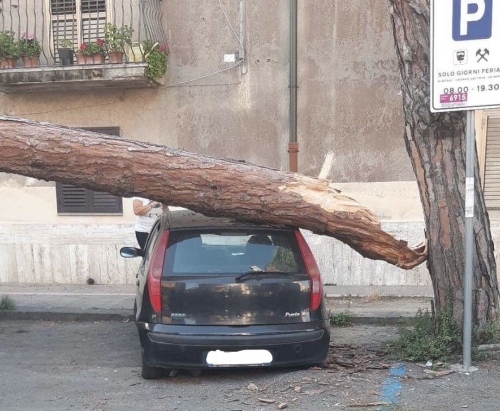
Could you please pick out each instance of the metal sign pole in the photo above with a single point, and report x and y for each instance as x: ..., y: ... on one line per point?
x: 469, y: 245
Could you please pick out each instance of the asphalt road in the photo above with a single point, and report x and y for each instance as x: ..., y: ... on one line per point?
x: 96, y: 366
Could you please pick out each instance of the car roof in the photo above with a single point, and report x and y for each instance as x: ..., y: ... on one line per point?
x: 184, y: 218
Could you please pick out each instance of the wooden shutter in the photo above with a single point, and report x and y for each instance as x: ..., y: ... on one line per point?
x: 78, y: 200
x: 64, y: 23
x: 81, y: 21
x: 492, y: 164
x: 93, y: 14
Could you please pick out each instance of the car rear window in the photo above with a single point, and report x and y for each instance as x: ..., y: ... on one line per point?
x: 232, y: 252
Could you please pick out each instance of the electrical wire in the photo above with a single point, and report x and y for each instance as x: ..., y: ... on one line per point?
x: 229, y: 23
x: 168, y: 86
x: 208, y: 75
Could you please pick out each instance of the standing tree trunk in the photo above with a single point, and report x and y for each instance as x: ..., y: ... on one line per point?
x: 436, y: 145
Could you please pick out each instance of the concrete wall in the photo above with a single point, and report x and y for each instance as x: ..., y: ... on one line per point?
x: 349, y: 100
x: 37, y: 246
x: 349, y: 104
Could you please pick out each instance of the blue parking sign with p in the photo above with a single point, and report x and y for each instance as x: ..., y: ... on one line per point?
x: 472, y: 19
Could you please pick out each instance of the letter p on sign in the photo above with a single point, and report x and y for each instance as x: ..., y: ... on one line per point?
x: 472, y: 19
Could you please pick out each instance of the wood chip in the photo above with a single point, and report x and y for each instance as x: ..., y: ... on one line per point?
x: 266, y: 401
x: 439, y: 373
x: 252, y: 387
x: 298, y: 389
x: 282, y: 406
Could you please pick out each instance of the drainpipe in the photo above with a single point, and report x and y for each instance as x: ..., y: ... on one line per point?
x: 293, y: 145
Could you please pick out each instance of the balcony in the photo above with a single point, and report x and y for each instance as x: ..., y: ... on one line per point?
x: 90, y: 31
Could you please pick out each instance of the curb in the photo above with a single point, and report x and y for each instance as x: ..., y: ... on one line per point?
x: 63, y: 317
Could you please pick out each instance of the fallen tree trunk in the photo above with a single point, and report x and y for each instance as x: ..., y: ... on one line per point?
x: 205, y: 184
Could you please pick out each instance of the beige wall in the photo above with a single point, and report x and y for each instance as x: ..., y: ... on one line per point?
x: 349, y: 103
x: 349, y: 99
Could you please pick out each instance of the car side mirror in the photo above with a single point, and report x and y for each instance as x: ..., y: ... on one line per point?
x: 131, y: 252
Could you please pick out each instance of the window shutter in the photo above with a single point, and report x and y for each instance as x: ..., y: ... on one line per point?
x: 71, y: 199
x: 492, y: 164
x: 93, y: 20
x: 78, y: 200
x: 62, y: 7
x: 81, y: 21
x: 64, y: 23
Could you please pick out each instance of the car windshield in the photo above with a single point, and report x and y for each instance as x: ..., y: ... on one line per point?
x: 232, y: 252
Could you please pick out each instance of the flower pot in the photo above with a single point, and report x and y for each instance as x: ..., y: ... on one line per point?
x: 99, y: 58
x: 80, y: 58
x: 30, y: 62
x: 116, y: 57
x: 11, y: 62
x: 8, y: 63
x: 89, y: 60
x: 66, y: 56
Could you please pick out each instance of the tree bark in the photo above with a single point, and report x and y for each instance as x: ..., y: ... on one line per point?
x: 205, y: 184
x: 436, y: 146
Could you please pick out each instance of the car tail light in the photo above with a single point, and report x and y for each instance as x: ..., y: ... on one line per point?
x: 312, y: 271
x: 155, y: 271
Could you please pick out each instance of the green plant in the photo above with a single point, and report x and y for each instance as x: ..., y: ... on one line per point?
x: 343, y: 319
x: 116, y: 37
x: 8, y: 45
x: 66, y: 44
x: 85, y: 50
x: 99, y: 47
x: 29, y: 45
x: 488, y: 334
x: 6, y: 304
x: 428, y: 338
x: 156, y: 56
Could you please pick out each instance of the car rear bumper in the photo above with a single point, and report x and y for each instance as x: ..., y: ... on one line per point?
x: 182, y: 350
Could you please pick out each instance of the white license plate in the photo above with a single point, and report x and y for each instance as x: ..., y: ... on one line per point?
x: 239, y: 358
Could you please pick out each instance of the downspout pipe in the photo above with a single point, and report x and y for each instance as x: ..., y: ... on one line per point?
x: 293, y: 145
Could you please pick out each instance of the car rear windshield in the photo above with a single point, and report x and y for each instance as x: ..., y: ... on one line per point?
x: 232, y: 252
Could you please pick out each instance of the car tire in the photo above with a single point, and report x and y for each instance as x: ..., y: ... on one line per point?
x: 150, y: 373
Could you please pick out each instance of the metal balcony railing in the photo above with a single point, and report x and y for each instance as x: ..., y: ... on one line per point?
x: 46, y: 24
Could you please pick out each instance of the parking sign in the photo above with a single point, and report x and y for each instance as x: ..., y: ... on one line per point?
x: 465, y: 54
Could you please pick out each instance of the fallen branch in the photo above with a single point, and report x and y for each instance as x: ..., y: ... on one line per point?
x: 205, y: 184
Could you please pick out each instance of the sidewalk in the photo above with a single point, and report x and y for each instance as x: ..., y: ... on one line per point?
x: 364, y: 305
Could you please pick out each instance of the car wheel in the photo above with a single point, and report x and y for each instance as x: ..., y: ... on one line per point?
x: 150, y: 373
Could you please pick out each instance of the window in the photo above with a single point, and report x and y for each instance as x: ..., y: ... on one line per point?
x: 81, y: 21
x: 204, y: 252
x: 78, y: 200
x: 491, y: 176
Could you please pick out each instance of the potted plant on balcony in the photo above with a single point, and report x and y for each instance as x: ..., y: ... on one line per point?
x: 29, y: 49
x: 84, y: 54
x: 66, y: 52
x: 156, y: 56
x: 8, y: 50
x: 98, y: 51
x: 116, y: 38
x: 80, y: 56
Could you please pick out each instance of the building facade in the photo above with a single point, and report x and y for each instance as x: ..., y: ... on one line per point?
x: 226, y: 93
